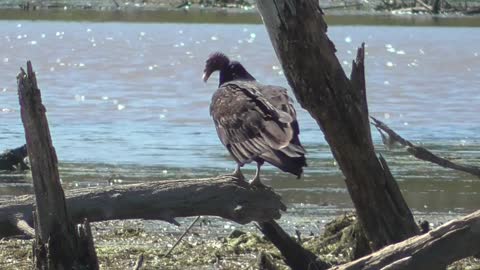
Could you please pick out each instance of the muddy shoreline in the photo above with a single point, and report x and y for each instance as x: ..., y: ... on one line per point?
x: 209, y: 245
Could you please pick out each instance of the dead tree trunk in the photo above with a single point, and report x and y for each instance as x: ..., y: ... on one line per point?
x: 338, y: 104
x: 56, y: 242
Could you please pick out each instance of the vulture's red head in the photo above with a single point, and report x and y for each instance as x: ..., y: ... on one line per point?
x: 216, y: 61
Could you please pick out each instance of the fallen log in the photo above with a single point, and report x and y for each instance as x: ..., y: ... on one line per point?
x: 222, y: 196
x: 419, y: 152
x: 436, y: 249
x: 13, y: 159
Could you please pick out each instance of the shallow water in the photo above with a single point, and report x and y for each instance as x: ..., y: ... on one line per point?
x: 126, y: 103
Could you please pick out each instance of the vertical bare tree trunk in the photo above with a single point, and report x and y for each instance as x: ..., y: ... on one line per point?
x: 338, y: 104
x: 56, y: 242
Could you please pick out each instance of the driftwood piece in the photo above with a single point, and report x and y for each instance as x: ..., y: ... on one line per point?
x: 436, y: 249
x: 420, y: 152
x: 472, y: 11
x: 56, y: 242
x: 13, y: 159
x: 163, y: 200
x: 338, y: 104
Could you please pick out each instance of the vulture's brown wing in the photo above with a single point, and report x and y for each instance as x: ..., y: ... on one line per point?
x: 247, y: 123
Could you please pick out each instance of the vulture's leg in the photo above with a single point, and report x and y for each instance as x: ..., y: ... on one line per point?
x: 256, y: 180
x: 238, y: 173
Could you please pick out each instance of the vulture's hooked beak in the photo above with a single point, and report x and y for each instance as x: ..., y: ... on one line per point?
x: 206, y: 75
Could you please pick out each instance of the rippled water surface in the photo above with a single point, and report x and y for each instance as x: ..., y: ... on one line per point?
x: 126, y: 103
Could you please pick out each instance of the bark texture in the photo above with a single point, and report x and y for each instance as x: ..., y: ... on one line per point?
x: 56, y: 242
x: 339, y: 105
x: 163, y: 200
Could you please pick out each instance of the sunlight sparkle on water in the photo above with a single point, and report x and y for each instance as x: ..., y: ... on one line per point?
x: 79, y: 98
x: 348, y: 39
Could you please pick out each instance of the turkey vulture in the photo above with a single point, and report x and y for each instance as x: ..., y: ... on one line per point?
x: 255, y: 122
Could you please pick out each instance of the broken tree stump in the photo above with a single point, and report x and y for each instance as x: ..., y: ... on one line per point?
x: 339, y: 106
x: 56, y: 242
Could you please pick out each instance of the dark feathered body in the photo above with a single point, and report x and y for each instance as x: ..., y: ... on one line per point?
x: 258, y: 123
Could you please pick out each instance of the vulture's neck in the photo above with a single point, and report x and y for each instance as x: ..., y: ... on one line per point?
x: 234, y: 71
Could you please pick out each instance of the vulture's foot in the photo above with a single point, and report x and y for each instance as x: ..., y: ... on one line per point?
x: 256, y: 183
x: 237, y: 174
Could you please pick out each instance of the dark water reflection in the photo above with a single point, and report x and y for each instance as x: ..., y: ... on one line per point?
x: 126, y: 104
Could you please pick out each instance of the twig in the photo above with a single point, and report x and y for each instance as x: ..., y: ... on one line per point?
x: 422, y: 153
x: 139, y: 262
x: 429, y: 8
x: 181, y: 236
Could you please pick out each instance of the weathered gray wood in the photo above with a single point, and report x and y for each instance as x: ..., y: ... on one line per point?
x: 436, y: 249
x: 56, y: 243
x: 338, y: 104
x: 421, y: 152
x: 163, y: 200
